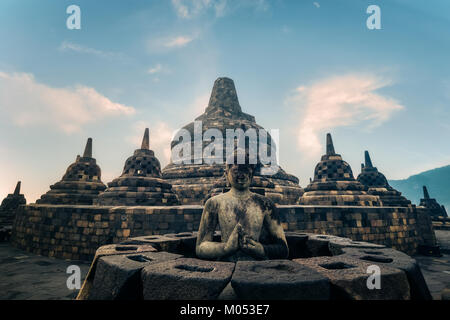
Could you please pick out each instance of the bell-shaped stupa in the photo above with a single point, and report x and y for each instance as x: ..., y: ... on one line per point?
x: 334, y: 183
x: 195, y: 179
x: 436, y: 210
x: 80, y: 185
x: 378, y: 185
x: 140, y: 183
x: 9, y: 206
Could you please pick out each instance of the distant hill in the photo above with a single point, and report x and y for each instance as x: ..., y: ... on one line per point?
x: 436, y: 180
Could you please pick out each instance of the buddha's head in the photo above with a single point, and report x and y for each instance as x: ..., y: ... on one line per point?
x: 239, y: 170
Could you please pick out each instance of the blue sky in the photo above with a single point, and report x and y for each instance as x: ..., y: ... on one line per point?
x: 304, y: 67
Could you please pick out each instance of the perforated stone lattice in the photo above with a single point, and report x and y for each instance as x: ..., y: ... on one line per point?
x: 142, y: 164
x: 373, y: 178
x: 333, y: 170
x: 83, y: 171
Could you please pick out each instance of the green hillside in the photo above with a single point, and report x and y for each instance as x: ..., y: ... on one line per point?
x: 436, y: 180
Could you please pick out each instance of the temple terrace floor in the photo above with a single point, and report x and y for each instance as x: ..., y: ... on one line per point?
x: 26, y: 276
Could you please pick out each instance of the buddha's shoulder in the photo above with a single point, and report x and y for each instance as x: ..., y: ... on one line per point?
x: 216, y: 200
x: 263, y: 201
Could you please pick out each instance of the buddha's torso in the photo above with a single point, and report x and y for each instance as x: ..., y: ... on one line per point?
x: 249, y: 211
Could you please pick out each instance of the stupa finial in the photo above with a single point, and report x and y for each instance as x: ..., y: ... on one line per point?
x: 367, y: 160
x: 146, y: 140
x: 425, y: 193
x: 224, y: 96
x: 330, y: 147
x: 17, y: 189
x: 88, y: 149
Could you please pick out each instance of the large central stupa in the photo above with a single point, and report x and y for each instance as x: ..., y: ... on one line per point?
x: 193, y: 181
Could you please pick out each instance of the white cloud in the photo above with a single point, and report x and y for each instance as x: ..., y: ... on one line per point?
x: 162, y: 132
x: 155, y: 69
x: 167, y: 43
x: 176, y: 42
x: 70, y: 46
x: 161, y: 135
x: 28, y: 102
x: 188, y: 9
x: 340, y: 101
x: 316, y: 4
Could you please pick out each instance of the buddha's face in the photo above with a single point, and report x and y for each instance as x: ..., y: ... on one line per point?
x: 239, y: 176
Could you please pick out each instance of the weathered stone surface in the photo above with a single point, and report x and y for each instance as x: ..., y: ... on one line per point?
x: 378, y: 185
x: 109, y: 250
x: 187, y: 244
x: 348, y: 278
x: 193, y: 181
x: 114, y: 249
x: 278, y: 280
x: 186, y: 278
x: 160, y: 242
x: 394, y: 259
x: 334, y: 184
x: 75, y: 232
x: 249, y: 223
x: 80, y: 185
x: 5, y: 234
x: 8, y: 210
x: 118, y: 276
x: 435, y: 209
x: 445, y: 294
x: 343, y: 276
x: 297, y: 243
x: 336, y: 245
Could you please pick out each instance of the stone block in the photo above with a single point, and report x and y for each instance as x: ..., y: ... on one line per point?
x: 348, y: 278
x: 394, y: 259
x: 278, y: 280
x: 160, y: 242
x: 186, y: 279
x: 118, y: 277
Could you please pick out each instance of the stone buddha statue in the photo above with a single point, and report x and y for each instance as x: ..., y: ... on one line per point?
x: 249, y: 223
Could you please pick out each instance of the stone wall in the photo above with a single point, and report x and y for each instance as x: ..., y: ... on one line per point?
x: 441, y: 223
x: 75, y: 232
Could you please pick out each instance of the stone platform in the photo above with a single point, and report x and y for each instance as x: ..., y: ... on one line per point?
x: 76, y: 232
x: 48, y: 276
x: 320, y: 267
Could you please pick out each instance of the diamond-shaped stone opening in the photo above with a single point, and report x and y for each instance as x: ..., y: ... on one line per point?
x: 140, y: 258
x: 193, y: 268
x: 126, y: 248
x: 377, y: 259
x: 279, y: 268
x: 337, y: 266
